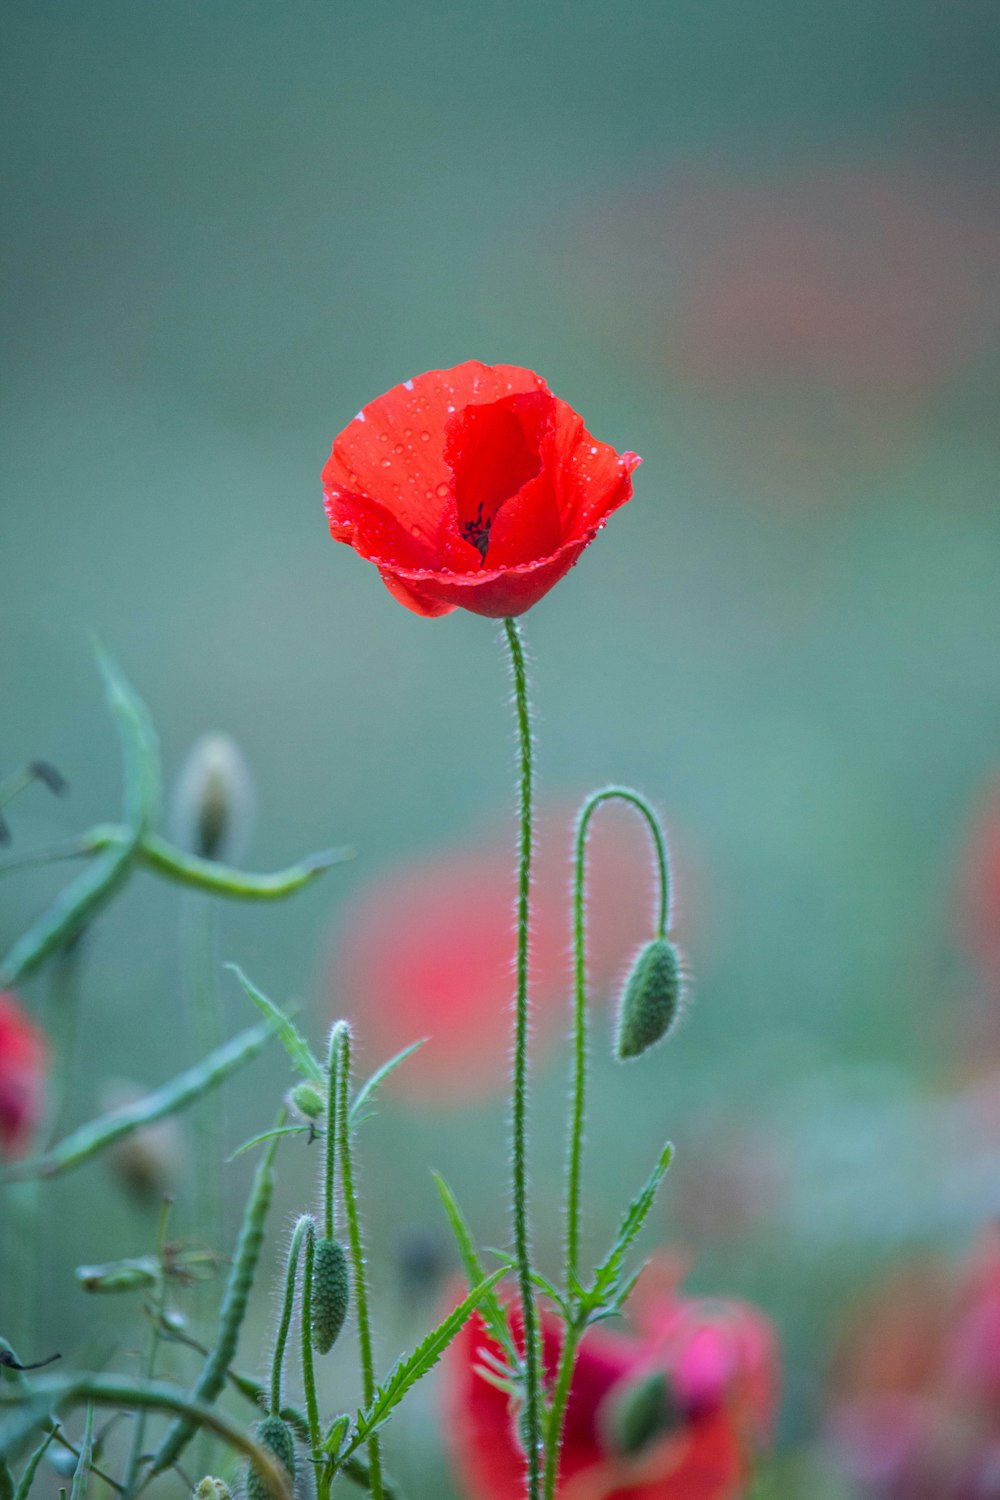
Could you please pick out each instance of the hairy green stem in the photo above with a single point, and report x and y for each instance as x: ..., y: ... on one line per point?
x: 302, y: 1228
x: 308, y: 1372
x: 519, y: 1131
x: 341, y: 1038
x: 557, y: 1412
x: 330, y: 1139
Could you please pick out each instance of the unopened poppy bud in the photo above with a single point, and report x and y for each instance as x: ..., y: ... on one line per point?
x: 119, y: 1276
x: 211, y: 1488
x: 651, y: 999
x: 632, y: 1418
x: 145, y: 1163
x: 308, y: 1100
x: 213, y: 803
x: 331, y: 1293
x: 275, y: 1435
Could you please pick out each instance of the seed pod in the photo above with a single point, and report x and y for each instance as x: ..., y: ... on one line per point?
x: 650, y: 1002
x: 276, y: 1436
x: 120, y: 1275
x: 633, y: 1418
x: 331, y: 1293
x: 213, y: 804
x: 308, y: 1100
x: 211, y: 1488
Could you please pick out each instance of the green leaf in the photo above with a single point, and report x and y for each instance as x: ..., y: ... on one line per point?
x: 288, y: 1035
x: 268, y: 1135
x: 140, y: 749
x: 406, y: 1372
x: 28, y: 1474
x: 176, y: 1095
x: 241, y: 885
x: 608, y: 1272
x: 335, y: 1435
x: 81, y: 1476
x: 492, y: 1308
x: 367, y: 1090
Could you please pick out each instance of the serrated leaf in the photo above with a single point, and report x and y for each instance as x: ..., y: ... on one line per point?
x: 406, y: 1372
x: 267, y: 1135
x: 607, y: 1273
x: 492, y: 1310
x: 287, y: 1033
x: 367, y: 1090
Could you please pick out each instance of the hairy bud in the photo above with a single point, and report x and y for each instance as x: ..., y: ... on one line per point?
x: 211, y: 1488
x: 308, y: 1100
x: 213, y: 803
x: 331, y: 1293
x: 276, y: 1436
x: 651, y: 999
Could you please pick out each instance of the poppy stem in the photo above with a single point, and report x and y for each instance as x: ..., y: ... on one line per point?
x: 341, y: 1037
x: 522, y: 1250
x: 580, y: 1049
x: 557, y: 1413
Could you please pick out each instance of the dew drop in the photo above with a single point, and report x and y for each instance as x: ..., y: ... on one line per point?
x: 407, y: 431
x: 425, y: 437
x: 386, y: 463
x: 442, y: 491
x: 383, y: 437
x: 408, y: 385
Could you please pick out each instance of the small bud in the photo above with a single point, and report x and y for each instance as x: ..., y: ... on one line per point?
x: 331, y: 1293
x: 276, y: 1436
x: 213, y: 803
x: 308, y: 1100
x: 119, y: 1276
x: 147, y: 1162
x: 210, y: 1488
x: 651, y: 999
x: 632, y: 1418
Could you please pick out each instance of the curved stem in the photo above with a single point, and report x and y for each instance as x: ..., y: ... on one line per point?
x: 342, y: 1033
x: 308, y: 1373
x: 287, y: 1307
x: 522, y: 1248
x: 330, y: 1139
x: 574, y: 1176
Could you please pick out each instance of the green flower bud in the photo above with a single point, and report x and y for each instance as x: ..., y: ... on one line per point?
x: 331, y: 1293
x: 276, y: 1436
x: 308, y: 1100
x: 632, y: 1418
x: 120, y: 1275
x: 213, y: 804
x: 210, y: 1488
x: 651, y: 1000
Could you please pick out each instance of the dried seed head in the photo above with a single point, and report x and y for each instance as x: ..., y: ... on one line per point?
x: 331, y: 1293
x: 308, y: 1100
x: 651, y: 999
x: 213, y: 803
x: 276, y: 1436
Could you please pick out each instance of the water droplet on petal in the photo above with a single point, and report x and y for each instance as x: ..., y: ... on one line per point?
x: 397, y: 447
x: 442, y: 491
x: 386, y: 463
x: 425, y: 437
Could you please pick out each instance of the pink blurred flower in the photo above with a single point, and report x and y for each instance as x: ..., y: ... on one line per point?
x: 23, y: 1054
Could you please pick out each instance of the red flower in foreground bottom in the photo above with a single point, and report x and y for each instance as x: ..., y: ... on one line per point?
x: 675, y: 1413
x: 22, y: 1072
x: 471, y: 488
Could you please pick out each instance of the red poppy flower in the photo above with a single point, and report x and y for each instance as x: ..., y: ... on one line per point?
x: 426, y: 950
x: 713, y: 1366
x: 471, y: 488
x: 22, y: 1071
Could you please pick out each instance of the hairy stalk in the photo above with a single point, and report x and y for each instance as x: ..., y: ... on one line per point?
x: 304, y: 1225
x: 519, y: 1128
x: 578, y: 1109
x: 330, y: 1139
x: 341, y: 1039
x: 308, y: 1373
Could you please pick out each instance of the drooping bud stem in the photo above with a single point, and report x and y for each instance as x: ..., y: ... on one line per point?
x: 305, y: 1225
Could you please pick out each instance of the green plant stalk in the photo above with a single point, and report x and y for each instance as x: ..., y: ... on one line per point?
x: 199, y: 943
x: 522, y: 1245
x: 149, y: 1364
x: 330, y: 1138
x: 304, y: 1225
x: 580, y: 1049
x: 308, y: 1372
x: 557, y: 1411
x: 342, y: 1032
x: 111, y: 1390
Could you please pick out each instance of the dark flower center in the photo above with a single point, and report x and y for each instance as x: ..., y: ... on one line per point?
x: 493, y: 451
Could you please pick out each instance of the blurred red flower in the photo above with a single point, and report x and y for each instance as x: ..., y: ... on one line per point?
x: 427, y: 950
x: 22, y: 1074
x: 473, y: 487
x: 713, y: 1363
x: 916, y: 1408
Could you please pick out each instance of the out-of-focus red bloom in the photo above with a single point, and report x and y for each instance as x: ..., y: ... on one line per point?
x: 979, y: 889
x: 22, y: 1074
x: 427, y: 950
x: 916, y: 1409
x: 719, y: 1364
x: 471, y: 488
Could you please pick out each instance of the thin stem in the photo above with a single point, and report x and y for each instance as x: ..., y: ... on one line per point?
x: 330, y: 1139
x: 343, y: 1032
x: 557, y: 1411
x: 574, y: 1175
x: 519, y: 1130
x: 149, y: 1364
x: 287, y: 1307
x: 200, y: 943
x: 308, y: 1372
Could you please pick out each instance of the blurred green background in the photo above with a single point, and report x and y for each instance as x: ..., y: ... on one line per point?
x: 757, y: 244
